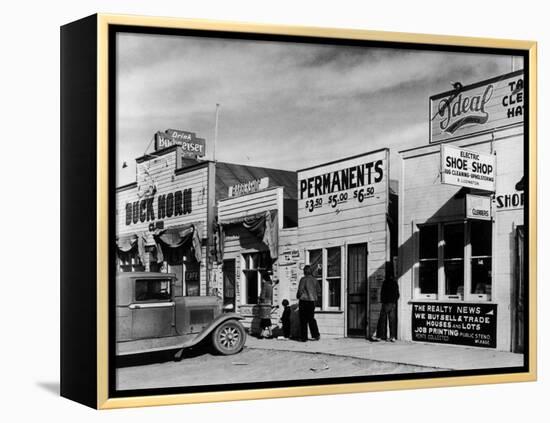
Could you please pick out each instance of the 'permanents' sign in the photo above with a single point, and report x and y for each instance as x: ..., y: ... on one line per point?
x: 472, y: 324
x: 467, y: 168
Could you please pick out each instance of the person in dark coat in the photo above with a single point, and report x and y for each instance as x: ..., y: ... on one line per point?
x: 266, y: 299
x: 307, y: 295
x: 388, y: 311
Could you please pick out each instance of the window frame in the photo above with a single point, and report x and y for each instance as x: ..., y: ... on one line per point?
x: 153, y: 300
x: 325, y: 278
x: 441, y: 295
x: 247, y: 257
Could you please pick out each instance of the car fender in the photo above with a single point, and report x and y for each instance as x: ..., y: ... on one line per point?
x: 211, y: 327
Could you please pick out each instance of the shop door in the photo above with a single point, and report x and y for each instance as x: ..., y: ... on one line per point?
x: 229, y: 284
x: 357, y: 291
x: 519, y: 302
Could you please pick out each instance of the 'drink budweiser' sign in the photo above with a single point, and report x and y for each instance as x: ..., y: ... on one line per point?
x: 476, y: 108
x: 188, y: 141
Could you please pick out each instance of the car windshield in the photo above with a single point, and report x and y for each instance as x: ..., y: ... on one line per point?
x: 152, y: 289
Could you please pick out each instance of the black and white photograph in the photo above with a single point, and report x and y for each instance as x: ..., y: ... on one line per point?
x: 296, y: 211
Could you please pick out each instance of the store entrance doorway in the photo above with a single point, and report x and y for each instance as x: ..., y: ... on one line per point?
x: 357, y: 291
x: 229, y: 285
x: 519, y: 294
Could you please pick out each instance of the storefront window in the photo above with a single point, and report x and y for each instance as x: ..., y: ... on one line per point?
x: 152, y: 289
x: 428, y: 260
x: 316, y: 263
x: 192, y: 279
x: 254, y: 264
x: 481, y: 261
x: 453, y: 238
x: 334, y: 276
x: 465, y: 261
x: 326, y: 264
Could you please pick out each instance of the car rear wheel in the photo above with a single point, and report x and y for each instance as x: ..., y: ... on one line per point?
x: 229, y: 337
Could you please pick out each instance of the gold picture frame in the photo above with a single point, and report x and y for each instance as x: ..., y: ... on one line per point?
x: 93, y: 33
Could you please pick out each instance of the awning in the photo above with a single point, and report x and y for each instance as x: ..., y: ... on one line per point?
x: 264, y: 226
x: 170, y: 244
x: 175, y: 243
x: 127, y: 247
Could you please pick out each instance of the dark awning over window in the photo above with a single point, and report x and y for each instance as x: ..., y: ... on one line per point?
x: 264, y: 226
x: 170, y: 244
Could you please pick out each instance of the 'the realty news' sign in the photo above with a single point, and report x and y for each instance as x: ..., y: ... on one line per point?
x: 468, y: 168
x: 477, y: 108
x: 188, y: 141
x: 472, y: 324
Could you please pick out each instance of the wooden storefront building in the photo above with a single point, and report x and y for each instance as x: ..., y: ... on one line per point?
x: 461, y: 220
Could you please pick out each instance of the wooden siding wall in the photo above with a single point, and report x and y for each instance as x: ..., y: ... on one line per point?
x: 257, y: 202
x: 424, y: 199
x: 239, y: 240
x: 162, y: 172
x: 350, y: 223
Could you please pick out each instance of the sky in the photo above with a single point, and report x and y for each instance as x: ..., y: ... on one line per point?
x: 282, y: 105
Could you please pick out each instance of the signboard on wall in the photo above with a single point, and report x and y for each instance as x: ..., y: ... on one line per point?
x: 188, y: 141
x: 248, y: 187
x: 478, y: 207
x: 347, y: 184
x: 470, y: 324
x: 468, y: 168
x: 477, y: 108
x: 161, y: 206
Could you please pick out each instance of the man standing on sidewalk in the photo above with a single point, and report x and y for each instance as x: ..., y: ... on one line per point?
x: 388, y: 312
x: 307, y: 296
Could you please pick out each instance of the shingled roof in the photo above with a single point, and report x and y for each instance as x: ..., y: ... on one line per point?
x: 228, y: 174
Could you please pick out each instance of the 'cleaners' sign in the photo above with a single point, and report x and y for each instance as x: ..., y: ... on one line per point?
x: 468, y: 168
x: 477, y: 108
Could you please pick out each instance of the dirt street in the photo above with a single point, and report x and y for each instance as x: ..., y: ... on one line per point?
x: 252, y: 365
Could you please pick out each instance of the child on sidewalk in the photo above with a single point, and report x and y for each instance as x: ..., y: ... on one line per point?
x: 285, y: 319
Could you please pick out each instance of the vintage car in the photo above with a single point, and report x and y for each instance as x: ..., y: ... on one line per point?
x: 149, y: 317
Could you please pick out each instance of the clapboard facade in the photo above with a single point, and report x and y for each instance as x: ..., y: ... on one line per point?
x: 460, y: 275
x: 256, y: 227
x: 171, y: 199
x: 344, y: 233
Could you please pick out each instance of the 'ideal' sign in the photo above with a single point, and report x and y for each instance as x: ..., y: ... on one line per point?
x: 477, y: 108
x: 468, y: 168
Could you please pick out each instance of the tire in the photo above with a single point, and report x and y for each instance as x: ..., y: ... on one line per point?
x: 229, y: 337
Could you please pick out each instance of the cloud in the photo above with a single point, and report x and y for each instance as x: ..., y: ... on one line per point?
x: 282, y: 104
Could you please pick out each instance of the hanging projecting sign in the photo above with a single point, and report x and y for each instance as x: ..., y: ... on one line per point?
x: 468, y: 168
x: 188, y: 141
x: 477, y: 108
x: 478, y: 207
x: 473, y: 325
x: 248, y: 187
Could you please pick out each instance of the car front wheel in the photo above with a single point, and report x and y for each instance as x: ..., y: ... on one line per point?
x: 229, y: 337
